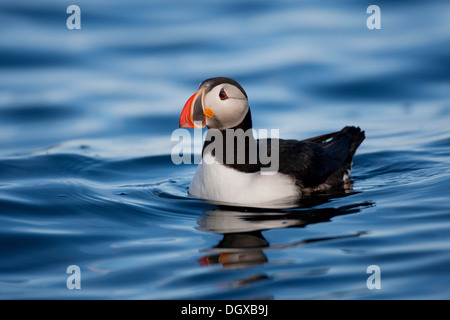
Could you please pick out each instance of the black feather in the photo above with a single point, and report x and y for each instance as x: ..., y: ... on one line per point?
x: 311, y: 162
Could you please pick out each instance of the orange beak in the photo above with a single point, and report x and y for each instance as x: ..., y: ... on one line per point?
x: 193, y: 115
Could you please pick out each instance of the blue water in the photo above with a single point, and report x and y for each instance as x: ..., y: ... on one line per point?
x: 86, y: 177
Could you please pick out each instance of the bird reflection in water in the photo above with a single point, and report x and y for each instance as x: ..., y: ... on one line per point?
x: 243, y: 243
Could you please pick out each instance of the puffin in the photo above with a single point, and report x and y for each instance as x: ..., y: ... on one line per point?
x: 233, y: 171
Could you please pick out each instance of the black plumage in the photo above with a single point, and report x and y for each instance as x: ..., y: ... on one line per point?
x: 314, y: 163
x: 318, y: 160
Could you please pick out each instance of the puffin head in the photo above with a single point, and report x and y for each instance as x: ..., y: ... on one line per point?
x: 219, y: 103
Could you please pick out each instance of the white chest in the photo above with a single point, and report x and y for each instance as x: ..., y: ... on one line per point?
x: 217, y: 182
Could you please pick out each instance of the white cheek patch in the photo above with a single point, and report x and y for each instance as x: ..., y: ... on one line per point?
x: 232, y: 112
x: 228, y: 112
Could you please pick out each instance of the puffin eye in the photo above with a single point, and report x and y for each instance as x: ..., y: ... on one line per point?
x: 223, y: 94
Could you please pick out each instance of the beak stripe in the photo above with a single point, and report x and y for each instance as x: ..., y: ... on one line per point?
x: 193, y: 111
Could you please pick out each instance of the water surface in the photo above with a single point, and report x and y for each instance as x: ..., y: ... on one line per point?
x: 86, y: 176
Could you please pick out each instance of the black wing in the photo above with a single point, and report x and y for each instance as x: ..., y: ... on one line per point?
x: 312, y: 161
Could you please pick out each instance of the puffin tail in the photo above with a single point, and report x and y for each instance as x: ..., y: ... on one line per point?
x: 351, y: 137
x: 357, y: 137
